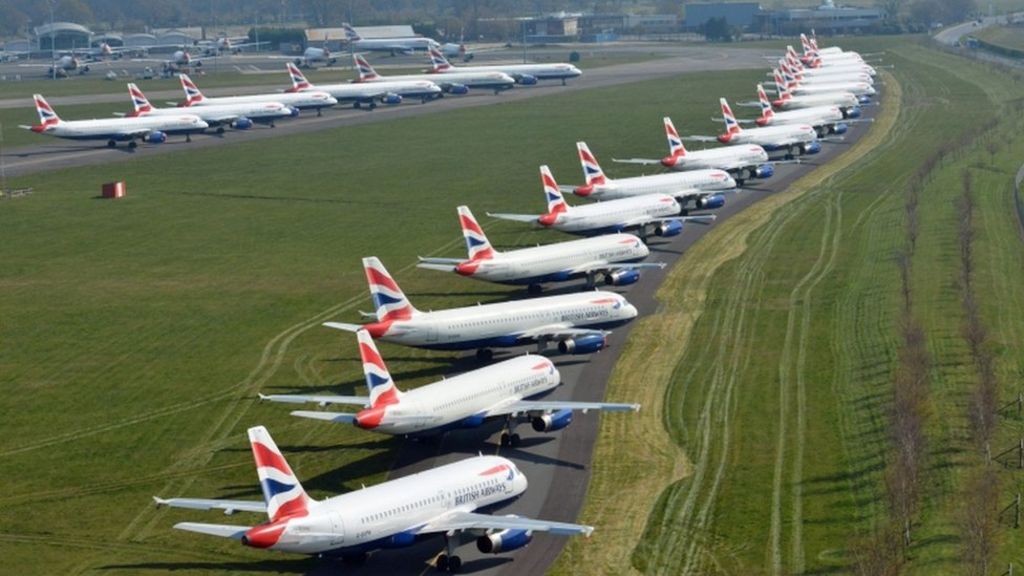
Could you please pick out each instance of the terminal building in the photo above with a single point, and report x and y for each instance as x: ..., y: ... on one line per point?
x: 751, y: 17
x: 64, y: 35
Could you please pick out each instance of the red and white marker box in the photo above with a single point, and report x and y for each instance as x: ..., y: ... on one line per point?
x: 114, y: 190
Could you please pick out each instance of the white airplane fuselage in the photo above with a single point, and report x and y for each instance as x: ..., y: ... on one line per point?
x: 815, y: 116
x: 554, y: 262
x: 447, y: 403
x: 855, y: 88
x: 407, y: 44
x: 559, y: 71
x: 773, y: 137
x: 368, y: 518
x: 668, y: 183
x: 256, y: 111
x: 120, y: 128
x: 504, y: 324
x: 724, y: 158
x: 842, y: 99
x: 359, y: 92
x: 833, y: 75
x: 488, y: 80
x: 306, y: 99
x: 610, y: 216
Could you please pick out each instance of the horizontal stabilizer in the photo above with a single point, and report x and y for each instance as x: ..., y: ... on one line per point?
x: 699, y: 138
x: 436, y: 266
x: 343, y: 326
x: 452, y: 261
x: 740, y: 120
x: 566, y: 188
x: 515, y: 217
x: 221, y: 530
x: 343, y: 417
x: 228, y: 506
x: 322, y: 400
x: 641, y: 161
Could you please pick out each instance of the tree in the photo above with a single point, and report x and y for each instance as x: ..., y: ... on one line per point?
x: 718, y: 30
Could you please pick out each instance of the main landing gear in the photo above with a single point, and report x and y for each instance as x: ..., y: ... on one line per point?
x: 508, y: 436
x: 448, y: 561
x: 485, y: 354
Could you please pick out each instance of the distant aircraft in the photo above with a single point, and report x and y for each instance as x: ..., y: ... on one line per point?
x: 225, y: 44
x: 313, y: 99
x: 498, y: 391
x: 398, y: 45
x: 62, y: 66
x: 824, y: 119
x: 843, y: 68
x: 526, y: 74
x: 848, y: 103
x: 661, y: 211
x: 153, y: 130
x: 791, y: 138
x: 862, y: 90
x: 239, y: 116
x: 453, y: 83
x: 702, y: 187
x: 616, y: 257
x: 392, y: 514
x: 369, y: 94
x: 576, y: 322
x: 312, y: 56
x: 824, y: 74
x: 742, y: 162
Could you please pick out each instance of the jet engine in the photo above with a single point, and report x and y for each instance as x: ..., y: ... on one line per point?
x: 812, y: 148
x: 715, y: 201
x: 526, y: 79
x: 156, y: 137
x: 458, y: 89
x: 583, y: 344
x: 503, y: 541
x: 391, y: 99
x: 553, y: 421
x: 764, y: 171
x: 242, y: 123
x: 293, y: 111
x: 400, y: 540
x: 669, y: 228
x: 623, y: 277
x: 853, y: 112
x: 840, y: 128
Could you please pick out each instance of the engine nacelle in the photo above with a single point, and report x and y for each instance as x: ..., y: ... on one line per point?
x: 622, y: 277
x: 473, y: 421
x: 293, y: 111
x: 853, y: 112
x: 670, y: 228
x: 526, y: 79
x: 583, y: 344
x: 242, y: 123
x: 458, y: 89
x: 156, y: 137
x: 504, y: 541
x: 553, y: 421
x: 400, y: 540
x: 812, y: 148
x: 864, y: 99
x: 715, y: 201
x: 391, y: 99
x: 840, y: 128
x: 764, y: 171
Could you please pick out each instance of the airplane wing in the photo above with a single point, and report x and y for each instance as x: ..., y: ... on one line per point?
x: 526, y: 406
x: 473, y: 521
x: 228, y: 506
x: 342, y: 417
x: 641, y: 220
x: 322, y: 400
x: 559, y: 331
x: 602, y: 266
x: 515, y: 217
x: 222, y: 530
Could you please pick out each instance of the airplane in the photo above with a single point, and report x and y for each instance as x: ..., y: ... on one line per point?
x: 525, y: 74
x: 742, y: 162
x: 575, y: 321
x: 834, y: 67
x: 153, y: 130
x: 315, y: 99
x: 62, y: 66
x: 848, y: 103
x: 239, y: 116
x: 314, y: 55
x: 453, y: 83
x: 811, y: 50
x: 358, y: 94
x: 631, y: 213
x: 498, y: 391
x: 399, y: 45
x: 222, y: 44
x: 698, y: 186
x: 824, y: 74
x: 396, y: 513
x: 861, y: 90
x: 616, y: 257
x: 824, y: 119
x: 793, y: 137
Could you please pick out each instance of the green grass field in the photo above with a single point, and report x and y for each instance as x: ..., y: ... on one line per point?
x: 780, y: 400
x: 137, y: 333
x: 1004, y: 36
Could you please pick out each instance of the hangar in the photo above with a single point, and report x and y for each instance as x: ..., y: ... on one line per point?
x: 64, y: 35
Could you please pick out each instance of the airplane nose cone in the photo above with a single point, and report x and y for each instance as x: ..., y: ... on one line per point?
x: 629, y: 311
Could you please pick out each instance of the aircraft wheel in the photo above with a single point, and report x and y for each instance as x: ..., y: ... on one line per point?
x: 373, y: 105
x: 220, y: 129
x: 515, y: 440
x: 356, y: 105
x: 484, y: 355
x: 454, y: 564
x: 739, y: 182
x: 442, y: 563
x: 133, y: 144
x: 534, y: 289
x: 111, y: 144
x: 506, y: 439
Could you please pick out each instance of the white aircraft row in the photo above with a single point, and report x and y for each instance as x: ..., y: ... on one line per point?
x: 393, y: 92
x: 453, y: 83
x: 444, y: 500
x: 526, y: 74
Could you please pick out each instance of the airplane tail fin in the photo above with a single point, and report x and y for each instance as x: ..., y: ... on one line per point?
x: 382, y: 388
x: 299, y: 82
x: 805, y: 43
x: 675, y: 143
x: 388, y: 299
x: 477, y: 245
x: 556, y: 203
x: 47, y: 117
x: 139, y: 100
x: 591, y: 169
x: 351, y: 33
x: 366, y: 72
x: 766, y: 105
x: 731, y: 125
x: 281, y: 489
x: 437, y: 60
x: 780, y: 85
x: 192, y: 93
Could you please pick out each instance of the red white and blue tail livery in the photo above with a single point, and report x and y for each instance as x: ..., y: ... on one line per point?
x: 477, y: 245
x: 378, y: 380
x: 282, y: 491
x: 47, y: 117
x: 299, y: 82
x: 388, y: 299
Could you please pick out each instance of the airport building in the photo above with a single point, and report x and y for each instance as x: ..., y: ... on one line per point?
x: 739, y: 14
x: 825, y: 19
x: 65, y: 36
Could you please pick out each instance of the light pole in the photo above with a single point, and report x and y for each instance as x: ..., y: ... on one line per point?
x: 53, y: 46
